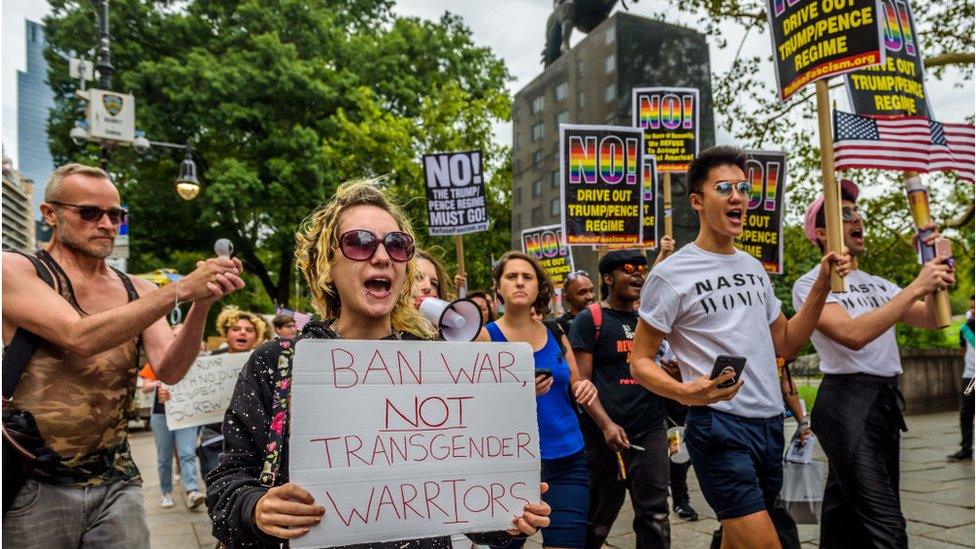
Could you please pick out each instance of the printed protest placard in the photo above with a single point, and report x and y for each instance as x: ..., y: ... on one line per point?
x: 411, y: 439
x: 650, y: 227
x: 762, y: 227
x: 602, y: 184
x: 669, y: 118
x: 202, y: 396
x: 814, y: 39
x: 456, y: 202
x: 547, y: 245
x: 896, y: 87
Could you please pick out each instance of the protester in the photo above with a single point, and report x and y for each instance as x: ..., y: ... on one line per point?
x: 483, y: 300
x: 578, y: 293
x: 183, y: 441
x: 710, y: 299
x: 625, y: 439
x: 431, y: 279
x: 966, y: 402
x: 857, y: 415
x: 284, y: 326
x: 525, y: 289
x: 363, y: 291
x: 90, y: 321
x: 242, y: 331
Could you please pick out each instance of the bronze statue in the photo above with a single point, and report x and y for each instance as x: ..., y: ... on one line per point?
x: 585, y: 15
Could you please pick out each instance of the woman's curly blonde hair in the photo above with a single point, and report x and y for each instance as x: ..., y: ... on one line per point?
x: 229, y: 316
x: 318, y: 242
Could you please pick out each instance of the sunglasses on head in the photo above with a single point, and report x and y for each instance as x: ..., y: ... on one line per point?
x: 88, y: 212
x: 361, y: 245
x: 576, y: 274
x: 724, y: 188
x: 630, y: 268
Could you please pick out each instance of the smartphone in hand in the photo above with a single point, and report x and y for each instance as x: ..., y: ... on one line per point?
x: 724, y: 363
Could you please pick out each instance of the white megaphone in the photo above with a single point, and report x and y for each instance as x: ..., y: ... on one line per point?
x: 458, y: 320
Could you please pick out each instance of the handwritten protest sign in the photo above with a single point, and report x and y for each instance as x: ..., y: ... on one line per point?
x: 602, y: 184
x: 455, y: 193
x: 410, y: 439
x: 546, y: 244
x: 896, y: 87
x: 762, y: 227
x: 203, y: 395
x: 669, y: 118
x: 815, y: 39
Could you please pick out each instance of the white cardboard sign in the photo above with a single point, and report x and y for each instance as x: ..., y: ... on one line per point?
x: 410, y: 439
x: 204, y: 393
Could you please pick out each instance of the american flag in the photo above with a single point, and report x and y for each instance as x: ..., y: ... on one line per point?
x: 909, y: 143
x: 301, y: 319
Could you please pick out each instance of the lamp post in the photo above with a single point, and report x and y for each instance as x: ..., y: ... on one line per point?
x: 104, y: 66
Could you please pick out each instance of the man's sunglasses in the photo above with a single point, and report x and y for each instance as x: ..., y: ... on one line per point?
x: 848, y: 214
x: 360, y: 245
x: 576, y: 274
x: 630, y: 268
x: 88, y: 212
x: 724, y: 188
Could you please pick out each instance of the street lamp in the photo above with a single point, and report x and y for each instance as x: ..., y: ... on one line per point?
x: 187, y: 185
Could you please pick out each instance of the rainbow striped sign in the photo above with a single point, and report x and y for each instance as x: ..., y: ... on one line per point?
x: 547, y: 245
x: 669, y: 119
x: 602, y: 187
x: 762, y: 228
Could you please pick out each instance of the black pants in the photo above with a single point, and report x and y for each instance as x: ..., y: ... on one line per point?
x: 858, y: 422
x: 966, y: 407
x: 647, y: 481
x: 678, y: 471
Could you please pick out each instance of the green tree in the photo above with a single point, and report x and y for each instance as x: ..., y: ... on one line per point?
x: 281, y: 101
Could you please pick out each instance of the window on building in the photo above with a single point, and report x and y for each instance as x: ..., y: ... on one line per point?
x: 562, y: 117
x: 562, y: 91
x: 554, y: 207
x: 518, y: 140
x: 581, y: 99
x: 538, y: 104
x: 536, y: 159
x: 537, y: 216
x: 579, y: 66
x: 537, y: 188
x: 611, y: 36
x: 610, y: 63
x: 554, y: 184
x: 538, y: 131
x: 518, y: 222
x: 610, y: 92
x: 518, y: 196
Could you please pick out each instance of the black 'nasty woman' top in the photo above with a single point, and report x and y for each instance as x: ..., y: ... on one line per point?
x: 234, y: 487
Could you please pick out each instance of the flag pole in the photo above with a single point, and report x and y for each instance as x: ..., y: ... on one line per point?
x: 918, y: 202
x: 831, y: 191
x: 459, y: 251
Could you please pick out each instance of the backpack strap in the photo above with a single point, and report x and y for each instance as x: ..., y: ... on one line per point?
x: 18, y: 353
x: 278, y: 434
x: 557, y: 332
x: 596, y: 310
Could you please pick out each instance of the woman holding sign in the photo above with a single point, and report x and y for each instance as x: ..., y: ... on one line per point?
x: 355, y: 253
x: 525, y: 289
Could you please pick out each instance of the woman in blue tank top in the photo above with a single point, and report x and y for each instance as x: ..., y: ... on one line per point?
x: 522, y: 284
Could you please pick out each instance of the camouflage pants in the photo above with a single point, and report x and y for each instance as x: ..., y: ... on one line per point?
x: 49, y: 516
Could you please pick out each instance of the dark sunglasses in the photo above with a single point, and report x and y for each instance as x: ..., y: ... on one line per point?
x: 576, y: 274
x: 88, y: 212
x: 724, y: 188
x: 360, y: 245
x: 848, y: 214
x: 630, y: 268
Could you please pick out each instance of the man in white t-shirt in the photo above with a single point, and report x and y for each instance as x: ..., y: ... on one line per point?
x: 710, y: 299
x: 857, y: 415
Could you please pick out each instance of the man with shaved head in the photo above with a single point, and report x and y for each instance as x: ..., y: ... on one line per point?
x: 75, y: 325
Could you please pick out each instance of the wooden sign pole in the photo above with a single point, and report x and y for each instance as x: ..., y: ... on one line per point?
x: 831, y: 191
x: 666, y: 197
x: 919, y: 204
x: 459, y: 251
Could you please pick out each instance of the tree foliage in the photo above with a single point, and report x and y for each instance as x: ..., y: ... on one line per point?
x: 281, y: 101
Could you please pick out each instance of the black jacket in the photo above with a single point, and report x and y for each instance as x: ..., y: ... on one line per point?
x: 234, y: 488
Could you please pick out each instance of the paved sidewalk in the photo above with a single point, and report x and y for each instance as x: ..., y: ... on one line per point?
x: 937, y: 498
